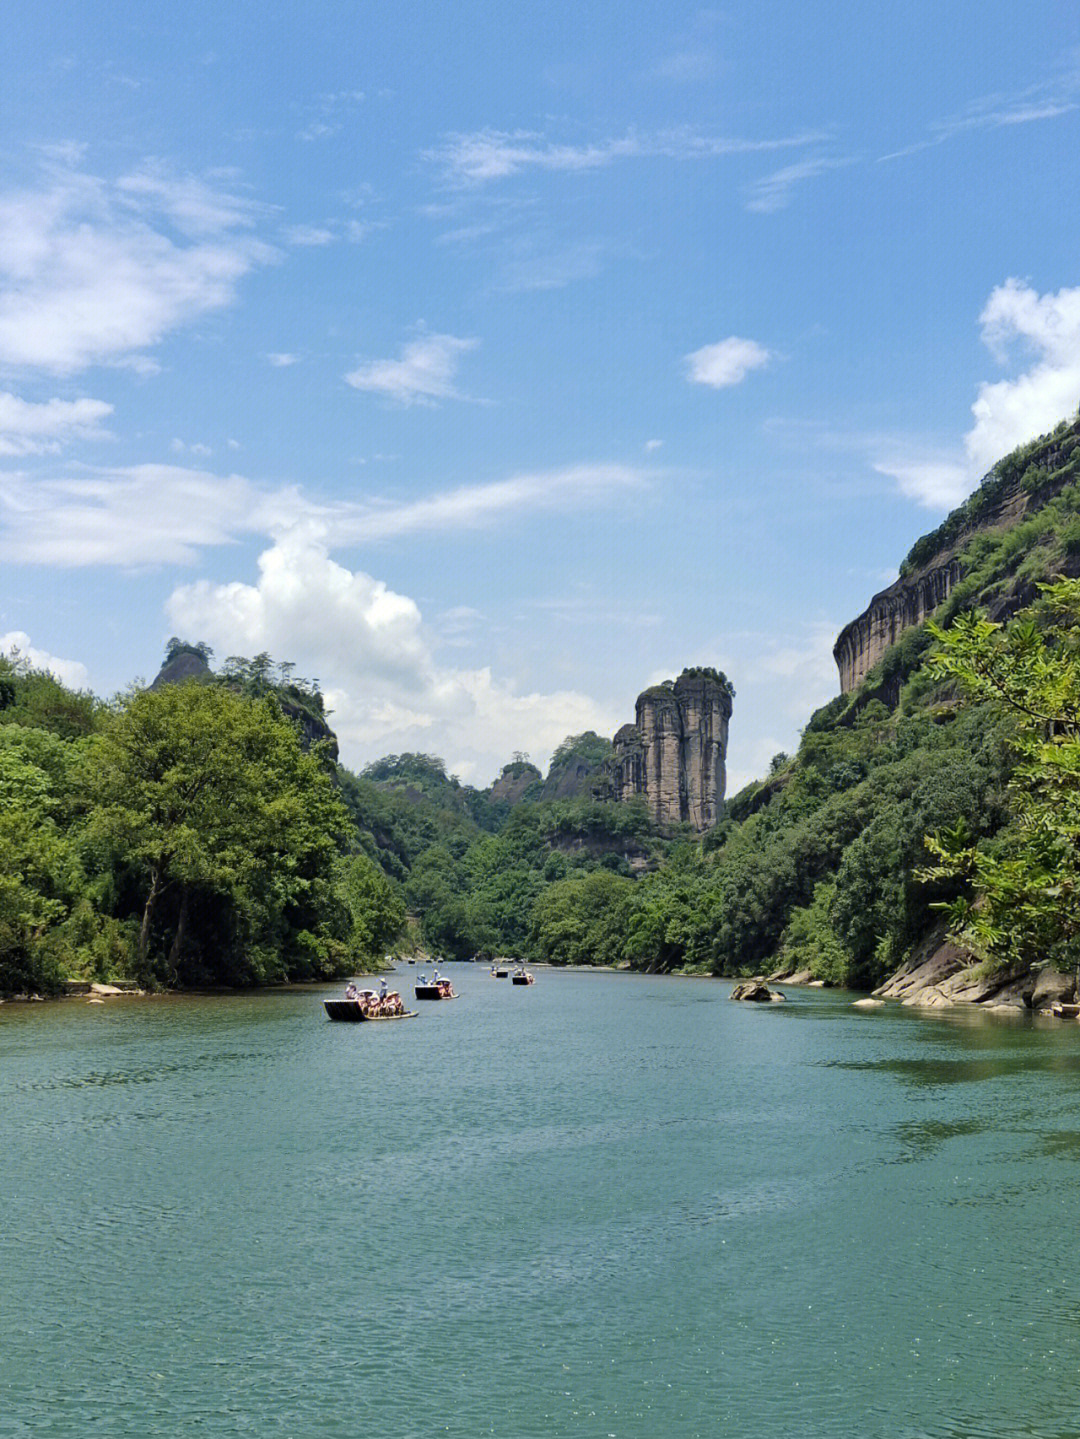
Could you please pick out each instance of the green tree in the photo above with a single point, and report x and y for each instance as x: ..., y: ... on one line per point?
x: 208, y: 799
x: 375, y: 906
x: 1023, y: 903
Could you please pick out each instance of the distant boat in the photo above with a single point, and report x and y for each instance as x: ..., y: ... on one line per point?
x: 522, y: 976
x: 353, y: 1012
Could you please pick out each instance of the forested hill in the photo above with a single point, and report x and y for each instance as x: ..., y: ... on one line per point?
x: 194, y: 834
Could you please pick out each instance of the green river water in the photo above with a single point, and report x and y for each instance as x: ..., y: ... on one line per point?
x: 608, y: 1205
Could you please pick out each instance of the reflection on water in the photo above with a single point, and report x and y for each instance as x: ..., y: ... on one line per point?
x: 605, y: 1205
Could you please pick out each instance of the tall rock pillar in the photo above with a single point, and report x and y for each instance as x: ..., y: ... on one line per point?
x: 675, y: 753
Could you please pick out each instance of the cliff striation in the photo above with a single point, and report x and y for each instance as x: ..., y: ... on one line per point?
x: 1021, y: 484
x: 674, y: 754
x: 906, y: 602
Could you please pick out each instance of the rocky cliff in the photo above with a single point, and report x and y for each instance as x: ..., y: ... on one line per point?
x: 515, y: 782
x: 906, y: 602
x: 675, y: 752
x: 1019, y: 485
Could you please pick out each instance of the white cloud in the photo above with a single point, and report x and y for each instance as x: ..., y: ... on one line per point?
x: 652, y: 445
x: 480, y: 156
x: 534, y: 268
x: 280, y: 359
x: 1008, y: 412
x: 94, y: 271
x: 935, y: 482
x: 472, y: 506
x: 1047, y: 100
x: 148, y: 514
x: 69, y: 672
x: 158, y: 514
x: 374, y: 658
x: 726, y: 363
x: 315, y: 235
x: 773, y: 192
x: 424, y: 373
x: 28, y: 428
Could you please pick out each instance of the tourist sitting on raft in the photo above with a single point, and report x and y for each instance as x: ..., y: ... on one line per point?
x: 387, y: 1001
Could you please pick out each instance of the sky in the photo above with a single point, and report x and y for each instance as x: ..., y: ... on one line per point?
x: 491, y: 362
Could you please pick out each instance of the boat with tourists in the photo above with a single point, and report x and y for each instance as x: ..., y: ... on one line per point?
x: 366, y: 1005
x: 521, y: 976
x: 438, y: 988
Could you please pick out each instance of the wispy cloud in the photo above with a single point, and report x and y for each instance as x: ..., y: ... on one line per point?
x: 774, y: 192
x: 309, y: 235
x: 142, y: 515
x: 1048, y: 100
x: 166, y: 514
x: 28, y: 428
x: 281, y: 359
x: 475, y: 506
x: 480, y: 156
x: 424, y: 373
x: 328, y: 113
x: 94, y: 271
x: 726, y: 363
x: 533, y: 267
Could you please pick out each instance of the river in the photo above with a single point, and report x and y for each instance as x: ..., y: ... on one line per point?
x: 607, y: 1205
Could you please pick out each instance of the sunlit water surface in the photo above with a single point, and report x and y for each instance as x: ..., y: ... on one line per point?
x: 608, y: 1205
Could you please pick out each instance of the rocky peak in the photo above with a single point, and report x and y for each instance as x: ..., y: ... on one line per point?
x: 515, y: 781
x: 674, y: 754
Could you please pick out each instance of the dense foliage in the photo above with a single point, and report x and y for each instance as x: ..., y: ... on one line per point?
x: 178, y: 836
x: 1023, y: 905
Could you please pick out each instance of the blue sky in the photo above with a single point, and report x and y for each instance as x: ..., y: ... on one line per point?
x: 493, y: 361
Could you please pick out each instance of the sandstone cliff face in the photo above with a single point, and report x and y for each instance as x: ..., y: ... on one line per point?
x: 910, y: 599
x: 675, y: 753
x: 906, y: 602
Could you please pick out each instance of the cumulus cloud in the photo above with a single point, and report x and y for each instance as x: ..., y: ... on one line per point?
x: 726, y: 363
x: 28, y: 428
x: 376, y: 662
x: 16, y: 643
x: 94, y: 271
x: 1016, y: 321
x: 1008, y: 412
x: 935, y: 482
x: 425, y: 372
